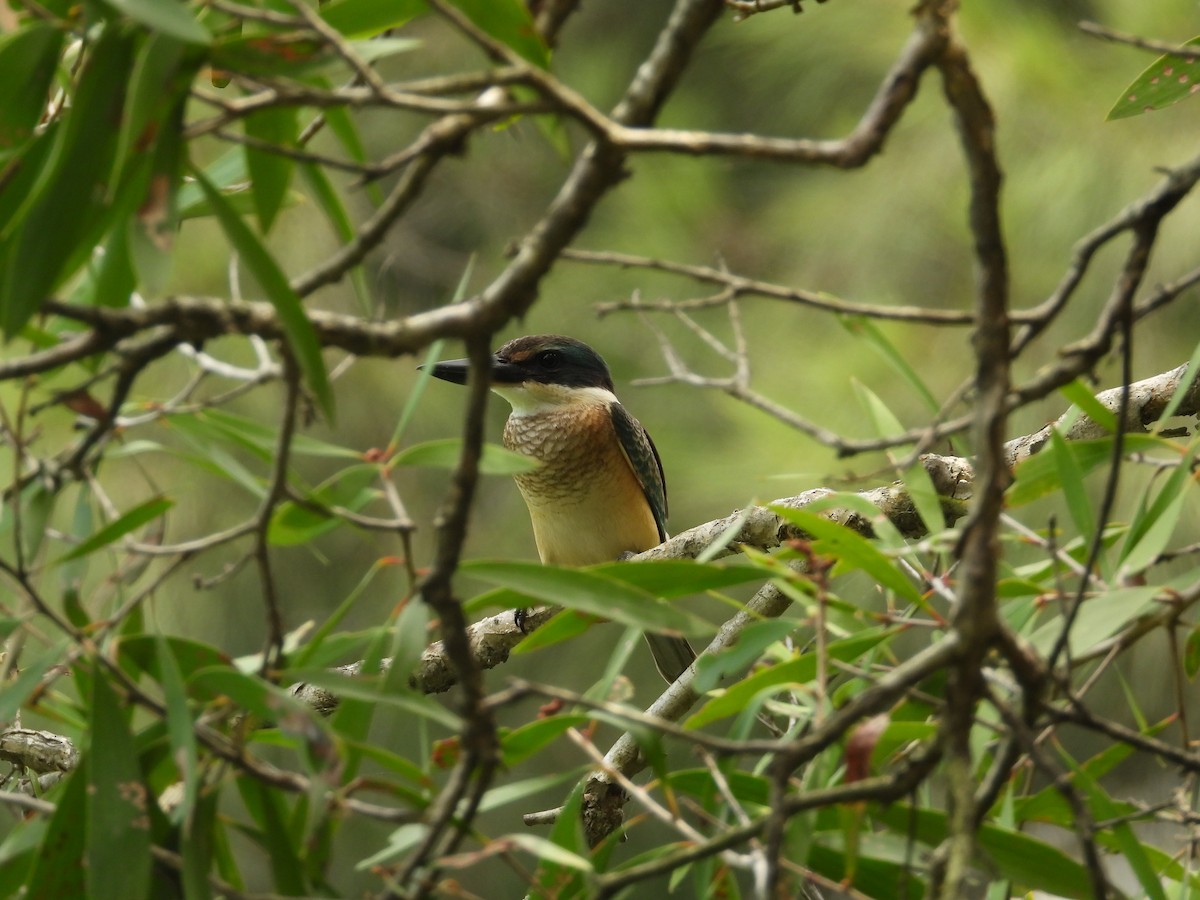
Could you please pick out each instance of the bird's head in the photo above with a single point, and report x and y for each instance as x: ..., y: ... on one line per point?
x: 541, y: 371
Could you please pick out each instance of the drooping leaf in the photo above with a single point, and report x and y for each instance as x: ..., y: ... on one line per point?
x: 1098, y: 618
x: 169, y: 17
x: 82, y: 164
x: 1070, y: 481
x: 295, y: 523
x: 1038, y: 475
x: 137, y: 517
x: 1156, y: 519
x: 1191, y: 653
x: 1181, y: 389
x: 56, y: 869
x: 301, y: 338
x: 587, y: 592
x: 270, y: 173
x: 118, y: 815
x: 533, y: 737
x: 678, y: 577
x: 367, y: 18
x: 179, y: 727
x: 852, y: 550
x: 29, y: 678
x: 511, y: 23
x: 801, y: 670
x: 552, y: 873
x: 199, y: 846
x: 1028, y: 862
x: 28, y: 58
x: 263, y: 439
x: 564, y: 626
x: 338, y: 216
x: 270, y: 813
x: 1083, y: 398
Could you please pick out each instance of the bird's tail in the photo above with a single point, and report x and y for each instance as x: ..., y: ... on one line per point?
x: 672, y: 655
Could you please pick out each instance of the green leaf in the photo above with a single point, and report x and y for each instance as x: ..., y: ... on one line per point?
x: 1081, y: 395
x: 1098, y: 618
x: 28, y: 59
x: 445, y: 453
x: 167, y: 17
x: 519, y: 791
x: 263, y: 440
x: 179, y: 727
x: 510, y: 22
x: 754, y: 639
x: 301, y: 338
x: 270, y: 173
x: 587, y: 592
x: 331, y: 205
x: 801, y: 670
x: 111, y: 280
x: 1191, y: 653
x: 1155, y: 521
x: 1165, y: 81
x: 56, y: 870
x: 1158, y: 531
x: 533, y: 737
x: 399, y: 841
x: 367, y: 18
x: 678, y: 577
x: 314, y: 652
x: 1028, y: 862
x: 1103, y: 808
x: 82, y: 163
x: 1181, y: 389
x: 564, y: 626
x: 29, y: 678
x: 567, y: 834
x: 548, y: 851
x: 875, y: 337
x: 1038, y: 475
x: 852, y: 550
x: 131, y: 521
x: 118, y: 819
x: 267, y: 54
x: 200, y: 836
x: 749, y: 789
x: 1070, y: 481
x: 268, y: 808
x: 293, y: 523
x: 916, y: 480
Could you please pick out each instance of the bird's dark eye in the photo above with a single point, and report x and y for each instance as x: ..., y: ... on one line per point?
x: 550, y: 359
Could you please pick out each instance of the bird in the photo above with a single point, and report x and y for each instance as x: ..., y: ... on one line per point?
x: 599, y: 493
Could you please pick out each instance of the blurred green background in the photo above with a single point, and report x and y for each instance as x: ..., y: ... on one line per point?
x: 892, y: 233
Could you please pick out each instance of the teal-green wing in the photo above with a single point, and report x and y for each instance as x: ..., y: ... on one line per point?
x: 643, y: 458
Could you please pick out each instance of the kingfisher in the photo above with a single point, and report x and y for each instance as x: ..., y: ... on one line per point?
x: 599, y: 492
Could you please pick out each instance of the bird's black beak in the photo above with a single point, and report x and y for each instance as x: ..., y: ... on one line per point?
x: 451, y: 370
x: 456, y: 370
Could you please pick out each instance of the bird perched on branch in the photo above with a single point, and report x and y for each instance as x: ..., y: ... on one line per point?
x: 599, y: 492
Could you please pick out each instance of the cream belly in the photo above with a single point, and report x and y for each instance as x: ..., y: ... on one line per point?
x: 597, y: 526
x: 585, y: 502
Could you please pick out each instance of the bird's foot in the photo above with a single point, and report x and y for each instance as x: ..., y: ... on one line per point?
x: 519, y: 617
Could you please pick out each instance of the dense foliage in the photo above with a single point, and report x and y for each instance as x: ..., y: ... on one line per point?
x: 258, y: 590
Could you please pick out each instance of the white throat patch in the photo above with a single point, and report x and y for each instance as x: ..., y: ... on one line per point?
x: 532, y: 397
